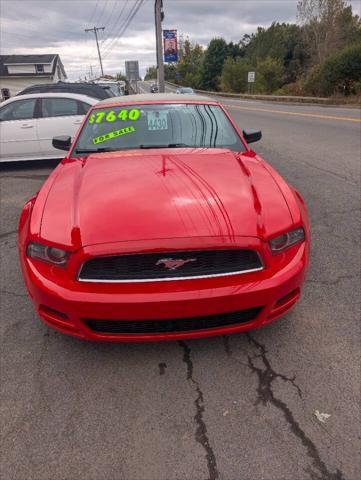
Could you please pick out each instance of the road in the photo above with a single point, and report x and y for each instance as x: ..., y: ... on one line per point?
x: 233, y: 408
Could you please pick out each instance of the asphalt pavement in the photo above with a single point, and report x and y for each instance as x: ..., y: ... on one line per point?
x: 280, y: 403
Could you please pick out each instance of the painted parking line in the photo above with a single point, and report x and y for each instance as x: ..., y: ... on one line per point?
x: 296, y: 114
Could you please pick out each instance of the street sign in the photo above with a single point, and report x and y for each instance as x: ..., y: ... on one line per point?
x: 251, y: 77
x: 132, y: 70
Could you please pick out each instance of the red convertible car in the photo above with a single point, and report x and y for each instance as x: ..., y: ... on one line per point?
x: 160, y: 224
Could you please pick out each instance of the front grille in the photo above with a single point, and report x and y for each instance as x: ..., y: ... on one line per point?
x: 168, y: 266
x: 173, y: 325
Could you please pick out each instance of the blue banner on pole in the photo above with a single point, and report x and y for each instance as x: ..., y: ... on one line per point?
x: 170, y: 45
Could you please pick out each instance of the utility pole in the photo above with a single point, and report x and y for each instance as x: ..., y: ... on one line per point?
x: 159, y: 15
x: 95, y: 30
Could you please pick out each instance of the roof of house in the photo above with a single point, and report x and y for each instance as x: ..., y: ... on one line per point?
x: 29, y: 59
x: 23, y: 59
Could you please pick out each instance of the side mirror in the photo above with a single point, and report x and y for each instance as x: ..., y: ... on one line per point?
x: 62, y: 143
x: 252, y: 135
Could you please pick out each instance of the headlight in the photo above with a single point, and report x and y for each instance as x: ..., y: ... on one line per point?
x: 286, y: 240
x: 53, y: 255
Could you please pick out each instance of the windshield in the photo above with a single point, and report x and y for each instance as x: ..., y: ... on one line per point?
x: 157, y: 126
x: 111, y: 87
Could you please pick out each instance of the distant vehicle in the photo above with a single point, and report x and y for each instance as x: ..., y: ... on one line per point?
x: 88, y: 89
x: 123, y: 87
x: 161, y: 223
x: 28, y: 124
x: 185, y: 90
x: 154, y: 88
x: 113, y: 87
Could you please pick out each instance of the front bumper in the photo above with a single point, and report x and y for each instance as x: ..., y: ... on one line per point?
x: 64, y: 306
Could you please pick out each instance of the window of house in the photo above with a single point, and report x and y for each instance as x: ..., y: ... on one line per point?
x: 39, y: 68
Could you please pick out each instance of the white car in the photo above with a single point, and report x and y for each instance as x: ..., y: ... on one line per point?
x: 28, y: 124
x: 185, y: 90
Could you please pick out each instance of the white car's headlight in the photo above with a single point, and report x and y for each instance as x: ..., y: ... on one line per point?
x: 286, y: 240
x: 53, y: 255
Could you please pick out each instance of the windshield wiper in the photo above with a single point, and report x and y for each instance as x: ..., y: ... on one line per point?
x: 169, y: 145
x: 94, y: 150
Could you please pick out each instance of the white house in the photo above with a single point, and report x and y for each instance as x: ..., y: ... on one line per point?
x: 20, y: 71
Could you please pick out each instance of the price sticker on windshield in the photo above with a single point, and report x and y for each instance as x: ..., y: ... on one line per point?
x: 157, y: 120
x: 111, y: 116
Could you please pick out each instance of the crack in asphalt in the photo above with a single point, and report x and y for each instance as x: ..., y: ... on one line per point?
x: 330, y: 172
x: 162, y: 366
x: 227, y: 346
x: 201, y: 432
x: 266, y: 376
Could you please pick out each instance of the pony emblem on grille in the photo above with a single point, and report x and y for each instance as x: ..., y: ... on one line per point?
x: 174, y: 263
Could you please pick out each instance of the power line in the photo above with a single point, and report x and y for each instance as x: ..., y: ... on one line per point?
x: 117, y: 36
x: 102, y: 12
x: 125, y: 25
x: 109, y: 19
x: 93, y: 14
x: 115, y: 23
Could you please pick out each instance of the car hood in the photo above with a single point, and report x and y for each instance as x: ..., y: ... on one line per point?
x: 162, y: 194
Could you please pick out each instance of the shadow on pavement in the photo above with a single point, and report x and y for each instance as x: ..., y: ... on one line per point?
x: 29, y: 164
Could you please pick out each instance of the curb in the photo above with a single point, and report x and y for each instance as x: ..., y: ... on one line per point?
x: 323, y: 101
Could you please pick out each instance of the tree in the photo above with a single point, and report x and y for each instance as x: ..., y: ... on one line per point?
x: 235, y: 50
x: 235, y: 74
x: 269, y: 75
x: 170, y: 72
x: 341, y: 71
x: 328, y: 26
x: 281, y: 41
x: 189, y: 67
x: 213, y: 63
x: 119, y: 76
x: 349, y: 27
x: 288, y: 58
x: 151, y: 73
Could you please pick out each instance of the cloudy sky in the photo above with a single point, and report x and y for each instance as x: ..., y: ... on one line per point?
x: 57, y: 26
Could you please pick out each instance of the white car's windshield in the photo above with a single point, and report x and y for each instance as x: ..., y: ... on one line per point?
x: 157, y: 126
